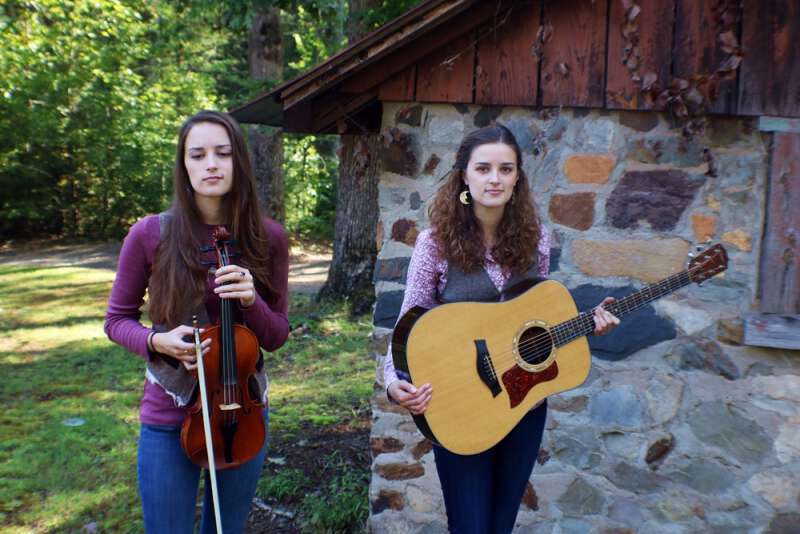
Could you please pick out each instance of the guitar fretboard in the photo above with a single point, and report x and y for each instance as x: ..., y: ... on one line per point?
x: 583, y: 324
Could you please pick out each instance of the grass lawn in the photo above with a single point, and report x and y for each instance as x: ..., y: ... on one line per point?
x: 69, y: 419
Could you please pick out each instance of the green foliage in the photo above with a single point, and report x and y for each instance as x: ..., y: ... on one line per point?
x: 342, y: 505
x: 287, y: 483
x: 93, y: 93
x: 309, y: 172
x: 91, y: 96
x: 385, y: 10
x: 58, y: 365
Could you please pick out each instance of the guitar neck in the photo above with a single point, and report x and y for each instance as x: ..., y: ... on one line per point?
x: 583, y: 324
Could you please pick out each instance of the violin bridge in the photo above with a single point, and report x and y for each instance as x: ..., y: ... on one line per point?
x: 225, y: 407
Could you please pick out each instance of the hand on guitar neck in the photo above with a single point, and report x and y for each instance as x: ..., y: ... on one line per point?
x: 416, y: 399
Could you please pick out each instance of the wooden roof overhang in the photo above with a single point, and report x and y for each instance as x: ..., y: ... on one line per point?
x: 551, y: 53
x: 341, y: 94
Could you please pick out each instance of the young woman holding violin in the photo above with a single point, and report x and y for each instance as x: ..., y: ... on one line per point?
x: 485, y: 236
x: 167, y: 256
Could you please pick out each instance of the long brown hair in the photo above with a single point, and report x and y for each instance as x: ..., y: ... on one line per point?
x: 455, y: 227
x: 178, y: 281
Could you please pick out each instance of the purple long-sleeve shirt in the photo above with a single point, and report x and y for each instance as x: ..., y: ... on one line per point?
x: 267, y: 317
x: 427, y: 278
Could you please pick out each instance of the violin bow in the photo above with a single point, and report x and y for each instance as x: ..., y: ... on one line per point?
x: 201, y: 378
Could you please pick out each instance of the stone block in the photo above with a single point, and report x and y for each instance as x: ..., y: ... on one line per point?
x: 618, y: 407
x: 392, y: 270
x: 787, y: 444
x: 739, y: 238
x: 384, y: 445
x: 704, y: 226
x: 387, y: 308
x: 689, y: 319
x: 379, y: 236
x: 581, y: 499
x: 411, y: 116
x: 555, y: 257
x: 405, y: 231
x: 659, y: 449
x: 649, y: 260
x: 421, y: 448
x: 631, y: 478
x: 529, y: 498
x: 637, y: 330
x: 486, y: 115
x: 656, y: 198
x: 399, y: 153
x: 704, y: 355
x: 575, y: 210
x: 732, y: 430
x: 730, y: 331
x: 414, y: 201
x: 589, y: 168
x: 780, y: 489
x: 400, y: 471
x: 641, y: 121
x: 388, y: 500
x: 705, y: 476
x: 431, y: 164
x: 626, y: 510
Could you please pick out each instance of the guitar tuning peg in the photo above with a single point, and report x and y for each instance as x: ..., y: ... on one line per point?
x: 690, y: 254
x: 698, y: 248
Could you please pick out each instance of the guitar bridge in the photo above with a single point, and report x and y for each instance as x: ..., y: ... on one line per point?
x: 486, y: 368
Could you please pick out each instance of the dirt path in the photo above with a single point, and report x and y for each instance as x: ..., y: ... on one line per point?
x: 308, y: 268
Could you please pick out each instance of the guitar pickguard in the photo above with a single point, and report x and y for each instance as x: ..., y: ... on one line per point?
x: 519, y: 382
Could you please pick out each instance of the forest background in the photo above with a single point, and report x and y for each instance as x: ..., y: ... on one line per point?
x: 92, y: 95
x: 93, y: 92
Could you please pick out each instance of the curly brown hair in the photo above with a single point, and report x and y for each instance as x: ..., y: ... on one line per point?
x: 455, y: 228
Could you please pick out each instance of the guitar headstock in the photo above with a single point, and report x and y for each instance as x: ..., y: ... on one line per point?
x: 708, y: 263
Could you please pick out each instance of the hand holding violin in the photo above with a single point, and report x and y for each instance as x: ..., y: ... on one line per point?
x: 234, y: 282
x: 172, y: 344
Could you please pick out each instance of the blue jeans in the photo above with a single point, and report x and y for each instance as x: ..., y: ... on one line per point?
x: 168, y: 483
x: 482, y: 492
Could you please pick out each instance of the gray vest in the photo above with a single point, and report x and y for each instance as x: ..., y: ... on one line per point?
x: 478, y: 287
x: 170, y: 373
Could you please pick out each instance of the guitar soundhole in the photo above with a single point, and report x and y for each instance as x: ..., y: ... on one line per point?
x: 535, y: 345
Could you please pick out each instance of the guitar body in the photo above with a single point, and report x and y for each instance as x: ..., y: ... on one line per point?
x: 478, y: 358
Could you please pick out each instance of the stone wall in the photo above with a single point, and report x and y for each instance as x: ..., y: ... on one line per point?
x: 679, y: 428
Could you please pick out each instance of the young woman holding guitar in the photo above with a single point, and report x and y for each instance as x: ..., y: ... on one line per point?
x: 167, y: 255
x: 485, y: 238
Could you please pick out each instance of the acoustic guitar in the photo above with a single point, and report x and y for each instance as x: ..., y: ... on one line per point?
x: 490, y: 363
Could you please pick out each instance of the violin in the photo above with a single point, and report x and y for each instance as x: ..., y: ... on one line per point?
x: 235, y: 409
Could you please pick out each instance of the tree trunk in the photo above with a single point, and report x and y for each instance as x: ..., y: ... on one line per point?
x: 354, y: 246
x: 265, y: 58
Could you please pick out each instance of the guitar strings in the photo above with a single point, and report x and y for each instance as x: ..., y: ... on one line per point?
x: 544, y: 341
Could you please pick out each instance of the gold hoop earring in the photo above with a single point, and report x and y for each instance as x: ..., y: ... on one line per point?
x: 465, y: 198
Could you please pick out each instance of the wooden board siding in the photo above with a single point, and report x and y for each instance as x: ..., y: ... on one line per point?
x: 655, y: 25
x: 573, y: 66
x: 446, y: 75
x: 508, y: 72
x: 400, y: 87
x: 770, y: 74
x: 697, y: 49
x: 780, y: 256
